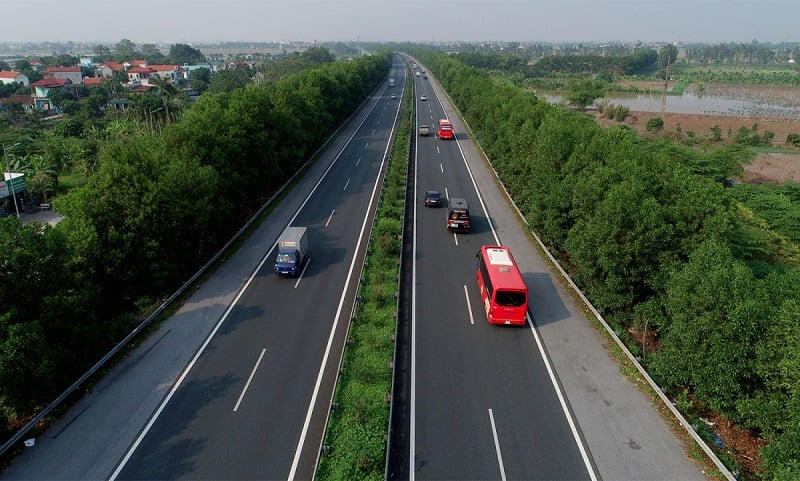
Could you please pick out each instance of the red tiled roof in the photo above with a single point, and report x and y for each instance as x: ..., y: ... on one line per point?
x: 92, y: 81
x: 163, y: 67
x: 63, y: 69
x: 141, y: 70
x: 51, y: 82
x: 19, y: 99
x: 8, y: 74
x: 113, y: 65
x: 142, y: 88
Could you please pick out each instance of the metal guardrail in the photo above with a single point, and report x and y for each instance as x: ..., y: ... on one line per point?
x: 160, y: 309
x: 653, y: 385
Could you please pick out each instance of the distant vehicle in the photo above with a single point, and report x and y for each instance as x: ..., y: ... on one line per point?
x: 423, y: 98
x: 503, y: 290
x: 458, y: 215
x: 425, y: 77
x: 424, y: 130
x: 433, y: 198
x: 445, y: 129
x: 391, y: 82
x: 417, y: 74
x: 394, y: 96
x: 292, y: 251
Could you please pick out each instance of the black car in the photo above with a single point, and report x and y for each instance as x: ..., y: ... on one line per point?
x: 433, y: 199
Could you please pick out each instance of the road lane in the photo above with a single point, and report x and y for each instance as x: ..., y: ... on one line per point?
x: 197, y: 435
x: 462, y: 370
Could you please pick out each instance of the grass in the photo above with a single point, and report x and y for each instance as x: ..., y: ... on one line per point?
x: 357, y: 432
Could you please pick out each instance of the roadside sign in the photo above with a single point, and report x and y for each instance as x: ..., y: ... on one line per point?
x: 13, y: 183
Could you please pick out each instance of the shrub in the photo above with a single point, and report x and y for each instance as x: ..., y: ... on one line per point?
x: 656, y: 123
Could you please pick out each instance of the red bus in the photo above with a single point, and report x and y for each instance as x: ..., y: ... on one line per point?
x: 504, y: 294
x: 445, y: 129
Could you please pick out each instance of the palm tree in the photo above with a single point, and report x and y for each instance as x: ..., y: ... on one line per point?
x: 41, y: 177
x: 167, y: 91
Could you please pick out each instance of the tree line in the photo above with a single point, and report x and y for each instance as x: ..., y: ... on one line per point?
x: 662, y: 249
x: 153, y: 210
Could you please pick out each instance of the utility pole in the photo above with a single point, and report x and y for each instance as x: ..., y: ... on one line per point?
x: 666, y: 84
x: 10, y: 181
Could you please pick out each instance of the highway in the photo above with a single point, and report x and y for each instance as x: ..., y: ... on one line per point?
x: 482, y: 403
x: 253, y: 403
x: 476, y: 401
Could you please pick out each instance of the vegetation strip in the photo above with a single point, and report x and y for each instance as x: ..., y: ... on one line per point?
x: 356, y: 437
x: 687, y: 274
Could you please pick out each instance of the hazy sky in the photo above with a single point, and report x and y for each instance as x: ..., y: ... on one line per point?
x: 186, y: 21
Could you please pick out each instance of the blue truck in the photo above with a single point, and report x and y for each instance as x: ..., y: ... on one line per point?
x: 292, y: 251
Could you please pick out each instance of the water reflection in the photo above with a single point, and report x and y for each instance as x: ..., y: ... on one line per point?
x: 717, y: 101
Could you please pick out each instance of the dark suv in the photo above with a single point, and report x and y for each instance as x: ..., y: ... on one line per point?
x: 458, y: 214
x: 433, y: 198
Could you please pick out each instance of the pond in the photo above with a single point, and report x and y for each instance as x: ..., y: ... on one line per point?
x: 717, y: 100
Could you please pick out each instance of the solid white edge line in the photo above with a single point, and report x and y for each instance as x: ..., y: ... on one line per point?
x: 412, y: 427
x: 469, y: 306
x: 249, y: 379
x: 561, y: 399
x: 228, y: 310
x: 185, y: 372
x: 497, y: 446
x: 313, y: 401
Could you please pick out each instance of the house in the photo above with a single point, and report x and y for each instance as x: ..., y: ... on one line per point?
x: 118, y: 104
x: 43, y: 88
x: 72, y: 73
x: 134, y: 63
x: 25, y: 100
x: 140, y: 75
x: 169, y: 72
x: 10, y: 76
x: 108, y: 69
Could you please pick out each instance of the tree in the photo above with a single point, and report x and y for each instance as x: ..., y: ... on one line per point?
x: 152, y: 54
x: 229, y: 80
x: 126, y: 50
x: 718, y: 314
x: 667, y: 56
x: 319, y: 55
x: 41, y: 176
x: 200, y: 79
x: 168, y: 93
x: 184, y: 54
x: 585, y: 92
x: 102, y: 52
